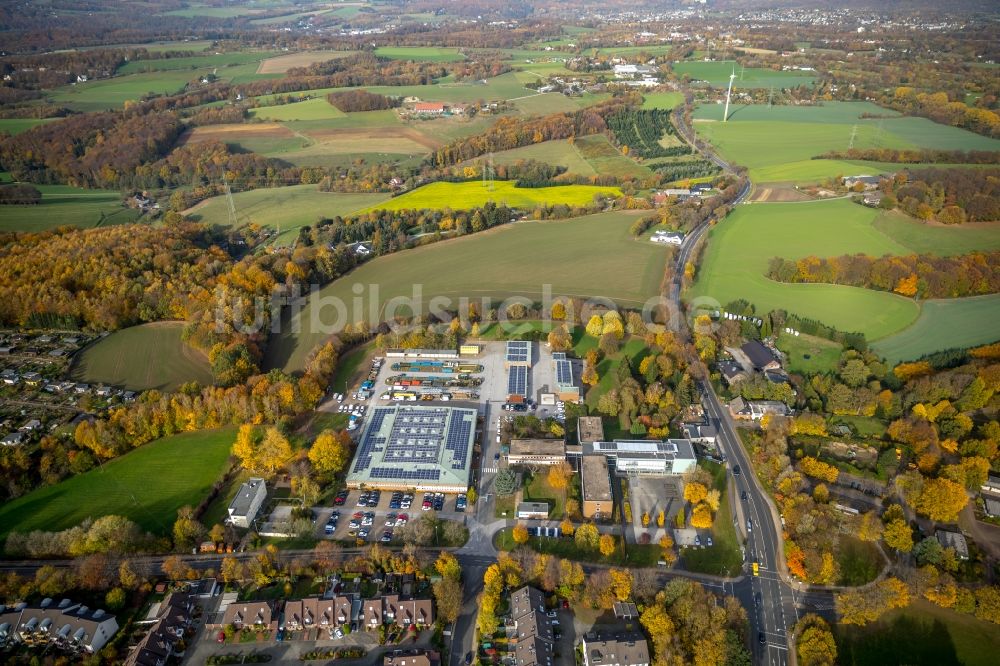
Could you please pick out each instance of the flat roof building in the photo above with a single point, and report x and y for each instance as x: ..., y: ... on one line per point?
x: 517, y: 381
x: 590, y: 429
x: 628, y: 649
x: 565, y: 388
x: 426, y: 448
x: 595, y: 483
x: 536, y: 452
x: 244, y: 507
x: 533, y: 510
x: 646, y: 457
x: 518, y: 353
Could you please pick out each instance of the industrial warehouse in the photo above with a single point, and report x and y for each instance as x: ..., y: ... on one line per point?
x: 425, y: 448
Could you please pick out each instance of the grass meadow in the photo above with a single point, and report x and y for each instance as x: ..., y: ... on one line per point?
x: 311, y: 109
x: 63, y: 205
x: 147, y: 485
x: 426, y: 53
x: 922, y: 634
x: 195, y: 62
x: 809, y: 354
x: 741, y: 246
x: 717, y: 75
x: 778, y: 144
x: 17, y: 125
x: 517, y: 259
x: 662, y: 100
x: 470, y: 194
x: 287, y: 208
x: 151, y: 356
x: 558, y: 153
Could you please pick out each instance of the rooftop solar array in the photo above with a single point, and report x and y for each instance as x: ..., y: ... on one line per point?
x: 415, y: 444
x: 518, y: 351
x: 517, y: 381
x: 564, y: 373
x: 558, y: 356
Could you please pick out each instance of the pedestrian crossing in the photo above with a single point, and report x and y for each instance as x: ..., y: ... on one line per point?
x: 490, y: 470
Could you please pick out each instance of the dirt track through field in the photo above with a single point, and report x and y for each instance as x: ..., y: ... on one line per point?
x: 235, y: 132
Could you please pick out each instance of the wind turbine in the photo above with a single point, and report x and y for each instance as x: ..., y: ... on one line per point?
x: 729, y: 92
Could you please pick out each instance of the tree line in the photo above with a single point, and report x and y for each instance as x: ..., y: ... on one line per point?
x: 914, y: 156
x: 350, y: 101
x: 950, y: 196
x: 916, y: 275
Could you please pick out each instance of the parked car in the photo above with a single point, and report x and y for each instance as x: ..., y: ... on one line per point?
x: 552, y: 614
x: 339, y: 633
x: 468, y: 658
x: 708, y: 540
x: 697, y: 540
x: 221, y: 637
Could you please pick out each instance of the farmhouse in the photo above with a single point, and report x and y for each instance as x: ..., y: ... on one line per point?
x: 66, y: 626
x: 405, y: 447
x: 429, y: 108
x: 624, y: 650
x: 667, y: 237
x: 868, y: 182
x: 244, y: 507
x: 536, y: 452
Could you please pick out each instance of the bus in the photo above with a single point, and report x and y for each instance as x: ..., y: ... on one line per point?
x: 756, y: 569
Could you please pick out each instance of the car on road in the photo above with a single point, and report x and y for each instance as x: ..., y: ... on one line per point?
x: 736, y: 470
x: 743, y: 496
x: 749, y: 525
x: 761, y: 638
x: 552, y: 614
x: 756, y: 598
x: 496, y: 456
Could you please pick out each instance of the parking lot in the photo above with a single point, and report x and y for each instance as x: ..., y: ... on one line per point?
x: 652, y: 495
x: 379, y: 514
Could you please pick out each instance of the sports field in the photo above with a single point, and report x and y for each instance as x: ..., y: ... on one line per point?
x: 717, y: 74
x: 463, y: 196
x: 945, y: 324
x: 150, y: 356
x: 147, y: 485
x: 587, y: 256
x: 70, y: 206
x: 778, y: 144
x: 741, y: 246
x: 428, y: 53
x: 287, y: 208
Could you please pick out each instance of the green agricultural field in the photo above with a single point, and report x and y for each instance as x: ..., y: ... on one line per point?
x: 545, y: 103
x: 197, y: 62
x: 662, y: 100
x: 923, y: 238
x: 922, y: 634
x: 311, y: 109
x: 287, y: 208
x: 428, y: 53
x: 463, y: 196
x: 147, y: 485
x: 63, y: 205
x: 944, y: 324
x: 558, y: 153
x: 518, y: 259
x: 151, y: 356
x: 809, y: 354
x: 778, y: 144
x: 717, y: 75
x: 741, y: 246
x: 17, y: 125
x: 505, y: 86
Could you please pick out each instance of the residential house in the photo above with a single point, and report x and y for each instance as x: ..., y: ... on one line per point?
x: 667, y: 237
x: 701, y: 433
x: 31, y: 426
x: 754, y: 410
x: 732, y: 372
x: 255, y: 614
x: 954, y: 540
x: 408, y: 612
x: 9, y: 377
x: 760, y: 356
x: 13, y: 439
x: 530, y: 631
x: 372, y: 613
x: 244, y: 507
x: 312, y: 612
x: 412, y: 658
x: 67, y: 626
x: 32, y: 379
x: 173, y: 617
x: 628, y: 649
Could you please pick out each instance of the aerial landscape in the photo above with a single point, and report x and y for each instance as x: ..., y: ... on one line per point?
x: 469, y: 332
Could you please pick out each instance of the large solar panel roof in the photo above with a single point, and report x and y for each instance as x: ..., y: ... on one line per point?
x: 564, y: 373
x: 518, y: 351
x: 517, y: 381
